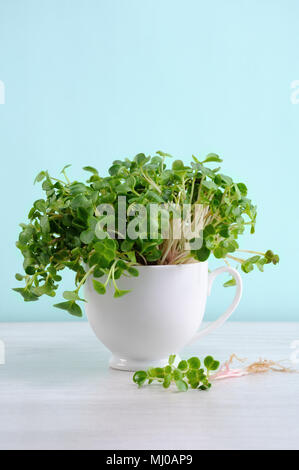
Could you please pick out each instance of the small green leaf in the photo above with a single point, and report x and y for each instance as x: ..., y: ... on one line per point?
x: 208, y: 362
x: 99, y: 287
x: 127, y: 245
x: 183, y: 365
x: 87, y: 236
x: 133, y: 271
x: 171, y: 359
x: 253, y: 259
x: 194, y: 384
x: 90, y: 169
x: 71, y: 307
x: 114, y: 169
x: 202, y: 254
x: 151, y: 372
x: 141, y: 159
x: 209, y: 230
x: 140, y: 377
x: 120, y: 293
x: 71, y: 295
x: 41, y: 175
x: 163, y: 154
x: 223, y: 231
x: 181, y: 385
x: 192, y: 375
x: 210, y: 185
x: 64, y: 168
x: 247, y: 266
x: 194, y: 363
x: 219, y: 252
x: 242, y: 188
x: 77, y: 188
x: 178, y: 165
x: 27, y: 295
x: 40, y: 205
x: 44, y: 223
x: 212, y: 157
x: 231, y: 282
x: 269, y: 254
x: 205, y: 387
x: 98, y: 272
x: 159, y: 372
x: 79, y: 201
x: 177, y: 374
x: 30, y: 270
x: 153, y: 255
x: 75, y: 310
x: 167, y: 381
x: 215, y: 365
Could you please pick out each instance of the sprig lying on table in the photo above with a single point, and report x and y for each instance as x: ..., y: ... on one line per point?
x: 187, y: 373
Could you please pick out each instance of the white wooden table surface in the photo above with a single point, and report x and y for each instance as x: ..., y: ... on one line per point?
x: 56, y: 392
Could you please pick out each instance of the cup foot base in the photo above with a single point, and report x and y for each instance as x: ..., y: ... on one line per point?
x: 132, y: 365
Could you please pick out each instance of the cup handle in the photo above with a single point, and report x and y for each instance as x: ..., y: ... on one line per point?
x: 231, y: 308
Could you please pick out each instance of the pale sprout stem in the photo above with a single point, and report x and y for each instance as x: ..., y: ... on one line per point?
x: 253, y: 252
x: 58, y: 180
x: 151, y: 182
x: 173, y: 249
x: 84, y: 278
x: 240, y: 260
x: 167, y: 251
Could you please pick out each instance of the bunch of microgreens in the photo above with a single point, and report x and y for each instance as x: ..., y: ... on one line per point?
x: 61, y: 231
x: 187, y: 373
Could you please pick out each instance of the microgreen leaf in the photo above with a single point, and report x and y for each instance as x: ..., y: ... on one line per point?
x: 27, y: 295
x: 183, y: 365
x: 41, y: 175
x: 99, y: 287
x: 212, y: 157
x: 167, y: 381
x: 194, y: 363
x: 71, y: 307
x: 120, y: 293
x: 140, y: 377
x: 210, y: 363
x: 171, y: 359
x: 87, y: 236
x: 133, y: 271
x: 181, y: 385
x: 177, y: 374
x: 90, y: 169
x: 72, y: 295
x: 231, y: 282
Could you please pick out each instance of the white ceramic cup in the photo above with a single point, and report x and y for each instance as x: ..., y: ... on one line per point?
x: 159, y: 317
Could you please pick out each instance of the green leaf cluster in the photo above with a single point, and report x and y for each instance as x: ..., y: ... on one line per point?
x: 188, y: 373
x: 64, y: 227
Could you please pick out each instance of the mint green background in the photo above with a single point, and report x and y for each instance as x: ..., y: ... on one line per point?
x: 90, y: 81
